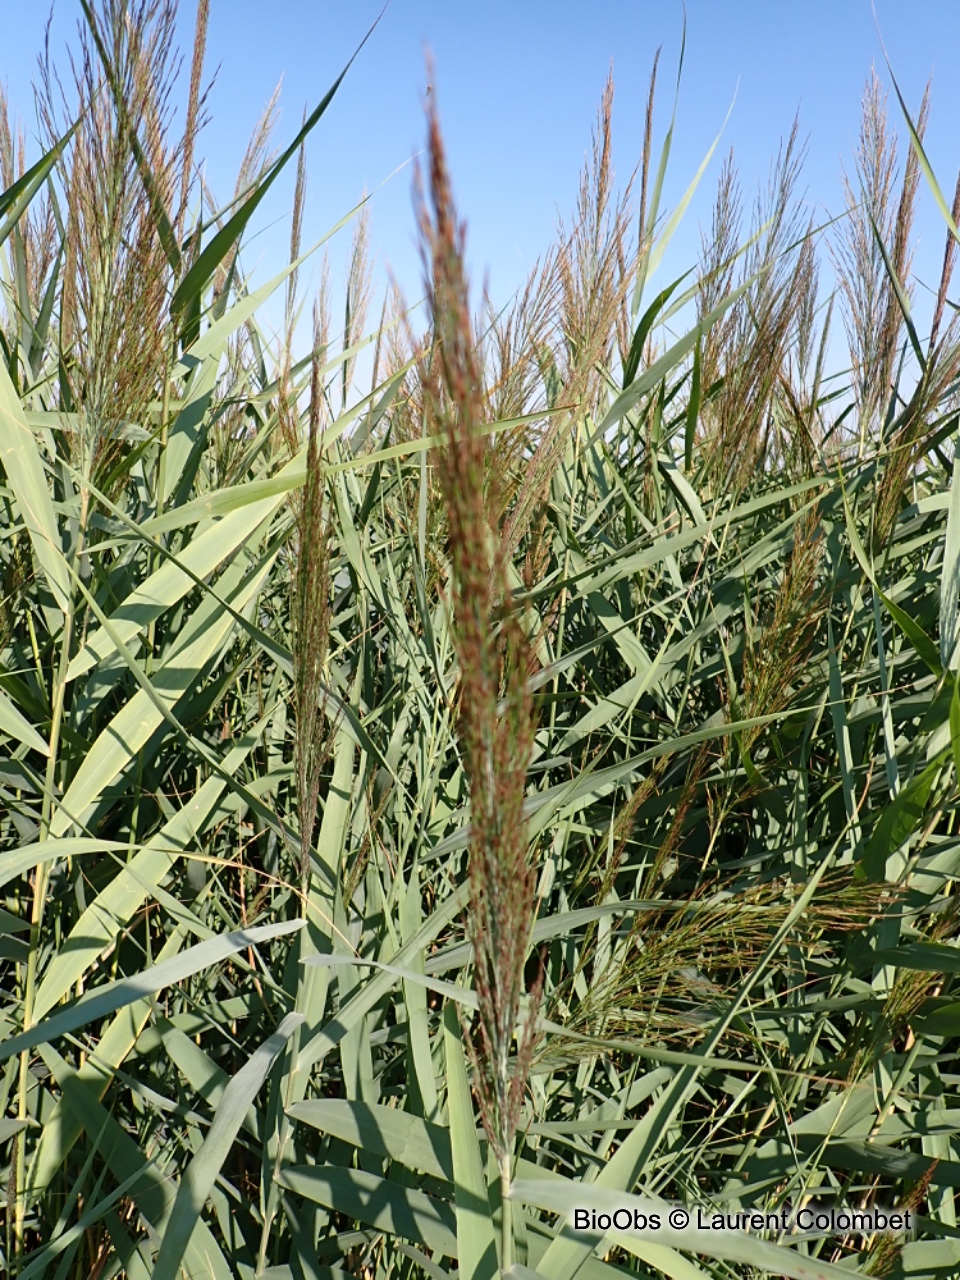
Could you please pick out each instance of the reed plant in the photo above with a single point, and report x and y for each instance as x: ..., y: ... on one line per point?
x: 521, y: 781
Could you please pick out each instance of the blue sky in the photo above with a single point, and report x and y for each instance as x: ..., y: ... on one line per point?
x: 518, y: 85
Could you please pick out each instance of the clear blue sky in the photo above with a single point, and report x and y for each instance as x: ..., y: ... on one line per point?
x: 518, y: 84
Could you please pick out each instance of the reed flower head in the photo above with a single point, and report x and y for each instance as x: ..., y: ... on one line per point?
x: 496, y: 727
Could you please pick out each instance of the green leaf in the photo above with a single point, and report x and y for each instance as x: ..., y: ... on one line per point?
x: 900, y: 819
x: 955, y: 727
x: 152, y: 1192
x: 195, y: 281
x: 123, y: 991
x: 922, y: 157
x: 380, y: 1204
x: 659, y: 247
x: 17, y: 197
x: 124, y: 736
x: 20, y: 457
x: 693, y: 410
x: 62, y: 1126
x: 926, y: 650
x: 944, y: 1020
x: 670, y: 359
x: 927, y: 957
x: 901, y: 295
x: 950, y: 581
x: 17, y: 726
x: 118, y: 902
x: 198, y: 1179
x: 315, y: 1049
x: 396, y: 1135
x: 10, y: 1127
x: 647, y: 321
x: 476, y: 1243
x: 17, y: 862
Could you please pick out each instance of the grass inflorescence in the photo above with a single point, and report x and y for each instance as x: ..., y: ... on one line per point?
x: 453, y: 771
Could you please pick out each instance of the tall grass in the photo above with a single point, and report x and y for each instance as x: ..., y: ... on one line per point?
x: 523, y: 782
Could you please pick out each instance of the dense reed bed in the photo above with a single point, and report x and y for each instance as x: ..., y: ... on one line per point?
x: 522, y: 778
